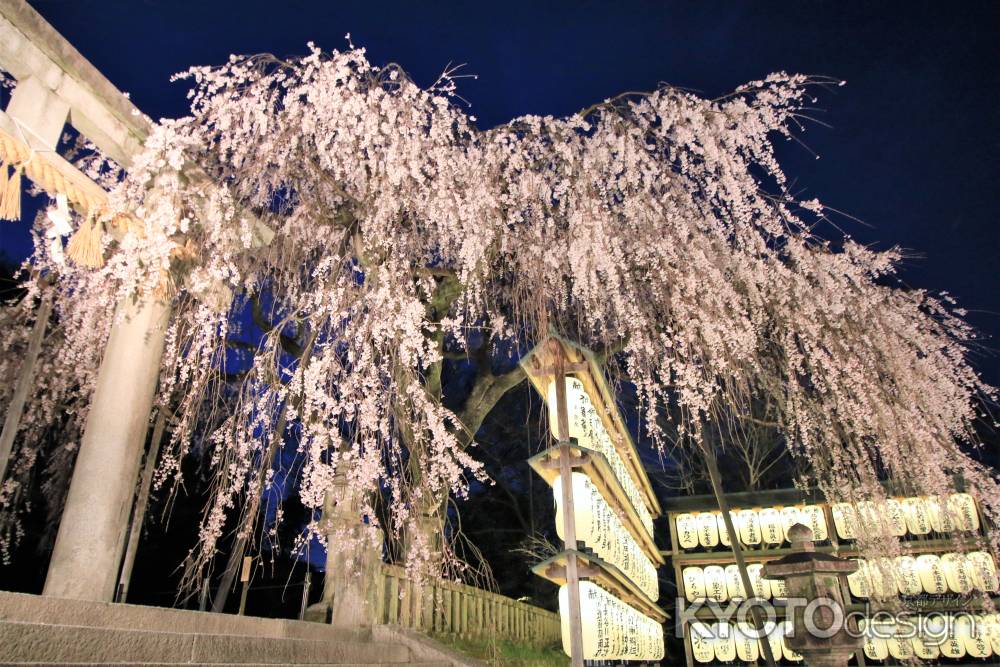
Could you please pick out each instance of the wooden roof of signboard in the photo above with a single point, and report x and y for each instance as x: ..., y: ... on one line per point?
x: 582, y: 364
x: 606, y: 575
x: 596, y: 467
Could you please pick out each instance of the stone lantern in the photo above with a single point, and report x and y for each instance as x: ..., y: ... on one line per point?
x: 822, y: 632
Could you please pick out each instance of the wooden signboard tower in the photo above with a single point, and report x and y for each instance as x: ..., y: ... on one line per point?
x: 595, y: 451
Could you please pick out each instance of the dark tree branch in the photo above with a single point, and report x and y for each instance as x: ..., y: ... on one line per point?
x: 289, y: 344
x: 486, y: 393
x: 603, y: 356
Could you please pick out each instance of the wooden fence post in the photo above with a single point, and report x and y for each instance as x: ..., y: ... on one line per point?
x: 404, y: 603
x: 393, y: 600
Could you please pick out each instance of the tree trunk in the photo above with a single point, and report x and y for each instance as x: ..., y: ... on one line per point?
x: 429, y: 522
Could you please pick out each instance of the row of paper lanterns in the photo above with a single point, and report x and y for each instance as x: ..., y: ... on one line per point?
x: 932, y: 637
x: 902, y: 516
x: 768, y: 526
x: 905, y: 575
x: 587, y: 427
x: 927, y: 573
x: 714, y: 582
x: 927, y: 637
x: 612, y: 629
x: 598, y: 527
x: 722, y: 641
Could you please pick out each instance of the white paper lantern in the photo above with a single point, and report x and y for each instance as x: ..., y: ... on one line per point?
x: 900, y: 648
x: 958, y: 512
x: 907, y: 578
x: 931, y: 631
x: 715, y: 583
x: 772, y: 635
x: 702, y: 642
x: 725, y: 642
x: 984, y: 571
x: 582, y: 505
x: 734, y: 583
x: 845, y: 520
x: 815, y: 518
x: 963, y: 511
x: 694, y: 583
x: 778, y: 589
x: 747, y: 646
x: 770, y: 526
x: 708, y: 530
x: 895, y: 517
x: 992, y: 626
x: 918, y: 520
x: 957, y: 573
x: 874, y: 517
x: 867, y: 517
x: 723, y: 531
x: 687, y: 531
x: 973, y: 635
x: 876, y: 649
x: 749, y: 527
x: 924, y: 649
x: 931, y: 573
x: 940, y: 520
x: 875, y: 646
x: 953, y: 648
x: 612, y: 629
x: 881, y: 573
x: 762, y: 588
x: 876, y: 578
x: 954, y: 644
x: 859, y: 583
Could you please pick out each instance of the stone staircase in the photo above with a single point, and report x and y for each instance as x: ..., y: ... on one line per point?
x: 37, y: 630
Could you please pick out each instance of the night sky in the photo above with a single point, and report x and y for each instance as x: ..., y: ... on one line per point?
x: 911, y: 151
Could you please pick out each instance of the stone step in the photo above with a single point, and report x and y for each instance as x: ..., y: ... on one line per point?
x: 26, y: 608
x: 52, y: 643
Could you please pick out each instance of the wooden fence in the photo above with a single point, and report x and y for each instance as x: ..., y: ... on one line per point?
x: 444, y: 607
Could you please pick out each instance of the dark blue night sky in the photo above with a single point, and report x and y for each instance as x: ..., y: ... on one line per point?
x: 914, y: 138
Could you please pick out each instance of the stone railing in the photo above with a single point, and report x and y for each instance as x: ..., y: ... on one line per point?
x: 448, y: 608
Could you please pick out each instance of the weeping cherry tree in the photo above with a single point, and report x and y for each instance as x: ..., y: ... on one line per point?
x: 658, y: 227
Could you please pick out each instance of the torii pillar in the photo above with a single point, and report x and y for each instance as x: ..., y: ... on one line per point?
x: 91, y: 537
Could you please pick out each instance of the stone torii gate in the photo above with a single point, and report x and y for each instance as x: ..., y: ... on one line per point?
x: 55, y: 86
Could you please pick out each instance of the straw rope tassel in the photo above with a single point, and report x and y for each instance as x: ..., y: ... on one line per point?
x: 10, y: 195
x: 50, y: 179
x: 84, y: 246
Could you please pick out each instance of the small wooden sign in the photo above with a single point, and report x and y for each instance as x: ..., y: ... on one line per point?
x: 247, y: 564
